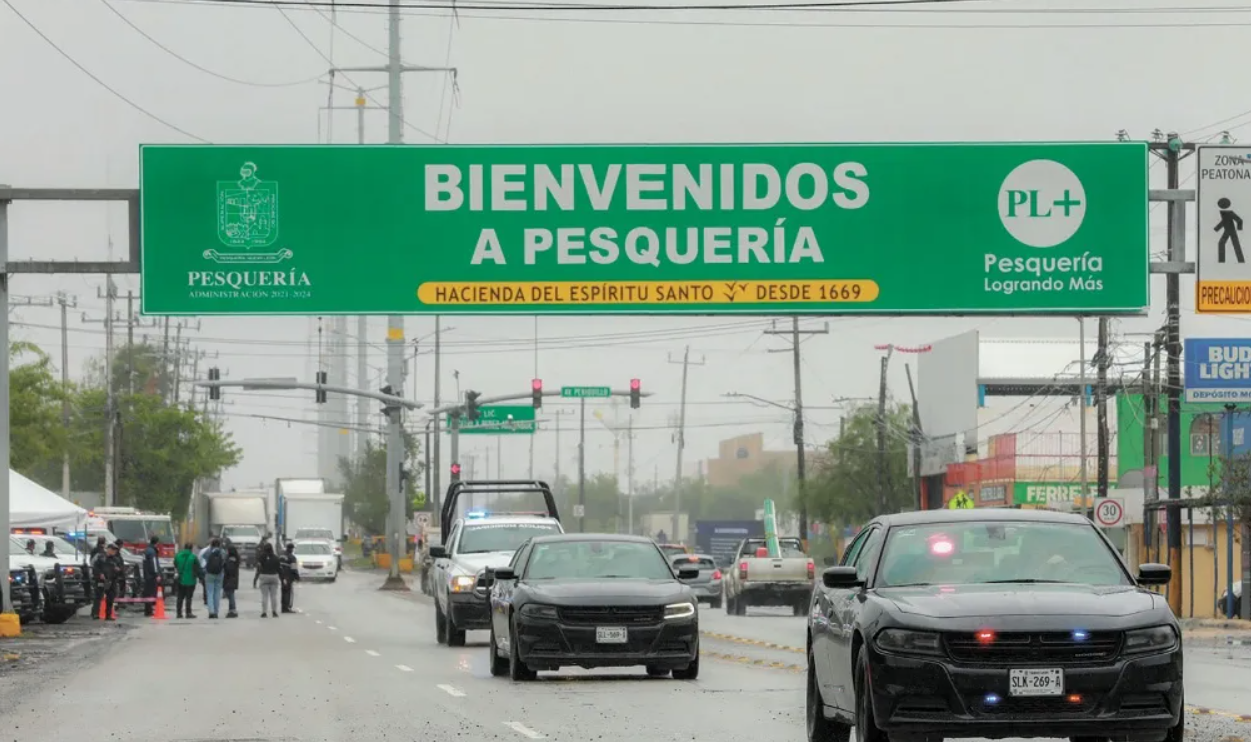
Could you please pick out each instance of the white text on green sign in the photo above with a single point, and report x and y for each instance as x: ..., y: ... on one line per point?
x: 585, y: 391
x: 498, y: 419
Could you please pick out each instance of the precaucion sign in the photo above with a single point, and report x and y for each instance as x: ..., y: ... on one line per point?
x: 645, y: 229
x: 1223, y: 199
x: 1217, y: 370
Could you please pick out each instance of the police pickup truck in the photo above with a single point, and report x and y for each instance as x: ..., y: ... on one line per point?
x: 476, y: 543
x: 63, y: 583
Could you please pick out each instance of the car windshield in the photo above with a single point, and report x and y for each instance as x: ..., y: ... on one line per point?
x: 312, y: 549
x: 979, y: 553
x: 59, y: 545
x: 237, y: 531
x: 325, y: 533
x: 485, y: 537
x: 139, y: 530
x: 597, y: 560
x: 791, y: 548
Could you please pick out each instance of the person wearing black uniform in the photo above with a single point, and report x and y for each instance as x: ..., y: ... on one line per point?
x: 104, y: 567
x: 123, y: 573
x: 151, y: 574
x: 289, y: 575
x: 98, y: 585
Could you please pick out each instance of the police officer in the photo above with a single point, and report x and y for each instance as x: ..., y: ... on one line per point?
x: 100, y: 588
x: 104, y: 567
x: 288, y: 574
x: 151, y: 574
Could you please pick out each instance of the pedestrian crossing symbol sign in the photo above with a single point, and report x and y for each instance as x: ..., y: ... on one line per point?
x: 961, y: 501
x: 1223, y: 201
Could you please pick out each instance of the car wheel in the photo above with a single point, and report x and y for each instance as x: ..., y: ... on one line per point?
x: 866, y: 726
x: 499, y: 665
x: 821, y: 729
x: 440, y: 625
x: 517, y: 670
x: 1177, y: 732
x: 657, y: 672
x: 691, y: 671
x: 455, y: 636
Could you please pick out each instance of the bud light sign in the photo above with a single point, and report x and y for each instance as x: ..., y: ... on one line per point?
x: 1218, y: 370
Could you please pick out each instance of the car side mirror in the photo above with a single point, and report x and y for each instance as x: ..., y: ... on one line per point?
x: 1154, y: 574
x: 840, y: 577
x: 503, y: 573
x: 688, y: 573
x: 830, y: 561
x: 438, y: 552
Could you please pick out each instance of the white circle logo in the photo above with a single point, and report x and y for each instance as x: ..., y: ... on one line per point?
x: 1042, y: 203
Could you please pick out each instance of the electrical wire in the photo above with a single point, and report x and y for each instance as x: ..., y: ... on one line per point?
x: 212, y: 73
x: 531, y: 6
x: 81, y: 68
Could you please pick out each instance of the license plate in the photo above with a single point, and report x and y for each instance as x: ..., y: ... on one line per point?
x: 1036, y: 682
x: 610, y: 635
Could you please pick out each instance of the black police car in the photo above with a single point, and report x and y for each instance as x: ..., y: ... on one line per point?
x: 593, y: 600
x: 991, y: 623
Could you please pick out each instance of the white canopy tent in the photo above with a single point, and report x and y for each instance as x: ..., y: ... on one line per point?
x: 33, y: 506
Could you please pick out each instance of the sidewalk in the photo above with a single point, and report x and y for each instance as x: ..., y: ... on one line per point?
x: 1235, y: 631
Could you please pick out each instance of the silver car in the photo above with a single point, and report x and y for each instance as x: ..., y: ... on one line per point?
x: 707, y: 587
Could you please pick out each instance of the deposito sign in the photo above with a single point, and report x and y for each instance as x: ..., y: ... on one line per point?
x: 1217, y: 370
x: 645, y: 229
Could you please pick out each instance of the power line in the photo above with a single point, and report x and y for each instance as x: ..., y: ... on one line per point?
x: 98, y: 81
x: 530, y: 6
x: 157, y: 43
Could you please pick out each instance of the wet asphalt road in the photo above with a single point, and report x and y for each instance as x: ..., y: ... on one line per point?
x: 362, y: 665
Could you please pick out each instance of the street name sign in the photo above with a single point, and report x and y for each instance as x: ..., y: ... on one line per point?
x: 494, y: 420
x: 826, y: 229
x: 580, y: 392
x: 1222, y: 202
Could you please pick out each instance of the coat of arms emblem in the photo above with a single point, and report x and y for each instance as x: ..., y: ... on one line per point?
x: 247, y: 220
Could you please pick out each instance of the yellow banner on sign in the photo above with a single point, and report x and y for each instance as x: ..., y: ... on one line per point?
x: 651, y: 292
x: 1223, y: 297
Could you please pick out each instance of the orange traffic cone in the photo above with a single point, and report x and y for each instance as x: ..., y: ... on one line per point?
x: 102, y: 613
x: 159, y: 614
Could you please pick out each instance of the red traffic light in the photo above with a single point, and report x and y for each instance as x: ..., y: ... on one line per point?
x: 537, y: 385
x: 635, y: 384
x: 456, y: 468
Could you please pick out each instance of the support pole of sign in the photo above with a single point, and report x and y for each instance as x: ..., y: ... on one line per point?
x: 1101, y: 410
x: 6, y: 602
x: 1227, y: 446
x: 436, y: 443
x: 1082, y: 409
x: 395, y: 322
x: 582, y: 465
x: 1176, y: 254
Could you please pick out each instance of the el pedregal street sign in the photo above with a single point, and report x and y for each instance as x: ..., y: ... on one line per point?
x: 645, y: 229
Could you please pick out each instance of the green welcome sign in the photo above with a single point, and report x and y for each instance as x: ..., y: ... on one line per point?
x: 831, y: 229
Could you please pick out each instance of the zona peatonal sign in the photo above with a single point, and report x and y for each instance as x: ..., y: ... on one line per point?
x: 645, y: 229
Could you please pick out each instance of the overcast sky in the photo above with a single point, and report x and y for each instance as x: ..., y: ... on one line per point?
x: 970, y: 71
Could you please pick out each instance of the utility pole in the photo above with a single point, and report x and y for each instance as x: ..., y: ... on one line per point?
x: 881, y: 434
x: 165, y: 364
x: 66, y: 302
x: 1082, y: 387
x: 800, y: 462
x: 677, y: 478
x: 918, y: 437
x: 130, y: 343
x: 1101, y: 410
x: 435, y: 437
x: 630, y: 475
x: 110, y: 402
x: 582, y: 465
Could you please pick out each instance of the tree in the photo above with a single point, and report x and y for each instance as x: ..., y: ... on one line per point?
x: 37, y: 437
x: 140, y: 367
x: 365, y: 484
x: 845, y: 486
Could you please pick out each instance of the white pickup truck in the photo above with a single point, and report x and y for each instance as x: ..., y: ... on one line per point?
x: 757, y: 579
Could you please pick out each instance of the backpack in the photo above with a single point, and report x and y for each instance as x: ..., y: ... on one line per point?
x: 215, y: 562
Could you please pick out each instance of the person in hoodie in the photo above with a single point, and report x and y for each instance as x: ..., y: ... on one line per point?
x: 268, y: 568
x: 231, y: 581
x: 214, y: 576
x: 187, y: 565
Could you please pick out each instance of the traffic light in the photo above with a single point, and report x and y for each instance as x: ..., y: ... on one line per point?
x: 636, y: 393
x: 387, y: 407
x: 321, y: 381
x: 536, y: 393
x: 471, y: 405
x: 215, y: 374
x: 455, y: 472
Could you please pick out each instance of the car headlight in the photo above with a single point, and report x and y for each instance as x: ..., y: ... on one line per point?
x: 1154, y: 639
x: 679, y: 610
x: 534, y: 610
x: 463, y: 583
x: 903, y: 641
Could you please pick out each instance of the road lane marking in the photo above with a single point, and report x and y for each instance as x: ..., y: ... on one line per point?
x: 523, y: 730
x: 319, y: 622
x: 333, y: 628
x: 403, y: 668
x: 451, y: 690
x: 349, y: 640
x: 372, y: 653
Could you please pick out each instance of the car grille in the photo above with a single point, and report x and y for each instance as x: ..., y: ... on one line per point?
x: 1033, y: 649
x: 612, y: 615
x: 313, y: 565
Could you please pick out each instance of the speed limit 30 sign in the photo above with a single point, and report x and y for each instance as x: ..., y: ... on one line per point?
x: 1109, y: 512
